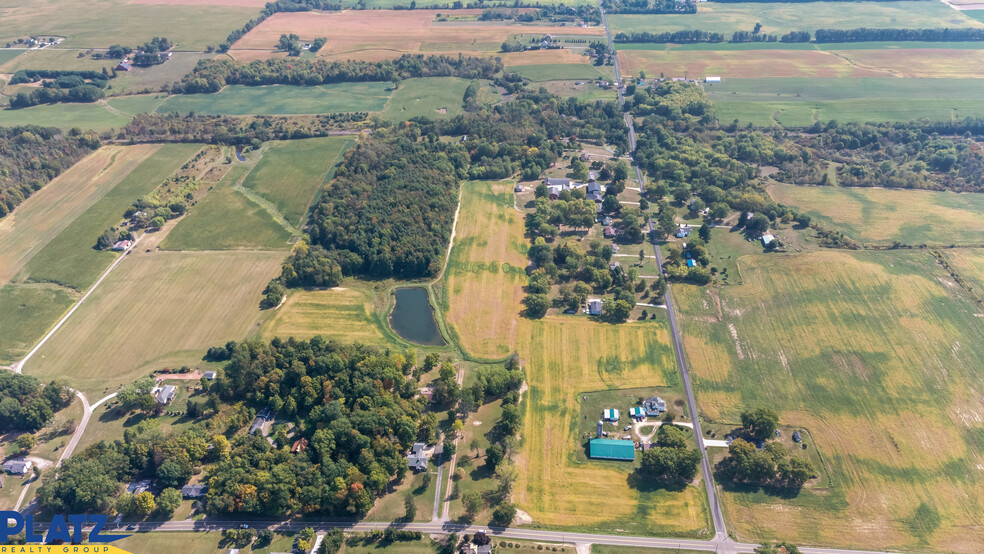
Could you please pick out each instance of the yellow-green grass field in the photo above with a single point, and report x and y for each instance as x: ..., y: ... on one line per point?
x: 291, y: 173
x: 65, y: 116
x: 157, y: 309
x: 225, y: 219
x: 485, y: 274
x: 69, y: 258
x: 351, y: 313
x: 53, y: 58
x: 284, y: 99
x: 47, y: 212
x: 100, y: 23
x: 801, y: 101
x: 433, y: 97
x: 873, y: 353
x: 969, y: 265
x: 880, y: 216
x: 780, y: 18
x: 565, y: 357
x: 27, y: 311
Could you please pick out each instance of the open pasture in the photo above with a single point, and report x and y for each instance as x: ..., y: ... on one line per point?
x: 65, y: 116
x: 157, y: 309
x: 916, y: 63
x: 26, y: 313
x: 225, y: 219
x: 869, y: 351
x: 283, y: 100
x: 884, y: 215
x: 70, y: 258
x: 780, y: 18
x: 383, y: 34
x: 100, y: 23
x: 801, y: 101
x: 48, y: 211
x: 485, y: 275
x: 53, y: 58
x: 564, y: 357
x: 348, y: 314
x: 291, y: 173
x: 561, y: 72
x: 969, y: 265
x: 433, y: 97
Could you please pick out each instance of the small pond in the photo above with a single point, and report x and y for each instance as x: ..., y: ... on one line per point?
x: 413, y: 317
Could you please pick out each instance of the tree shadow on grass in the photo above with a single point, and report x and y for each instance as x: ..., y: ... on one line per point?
x: 644, y: 483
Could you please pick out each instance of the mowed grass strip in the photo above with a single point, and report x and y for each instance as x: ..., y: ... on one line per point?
x: 882, y: 216
x: 157, y: 306
x: 64, y: 116
x: 555, y: 72
x: 348, y: 314
x: 69, y: 258
x: 283, y: 100
x: 26, y: 313
x: 870, y: 352
x: 291, y: 173
x: 41, y: 217
x: 486, y: 270
x: 565, y: 356
x: 780, y: 18
x: 226, y: 220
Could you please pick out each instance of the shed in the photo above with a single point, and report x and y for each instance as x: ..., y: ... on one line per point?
x: 712, y: 79
x: 611, y: 449
x: 609, y: 415
x: 166, y: 395
x: 122, y: 245
x: 595, y: 306
x: 637, y: 413
x: 691, y: 263
x: 518, y: 188
x: 210, y: 375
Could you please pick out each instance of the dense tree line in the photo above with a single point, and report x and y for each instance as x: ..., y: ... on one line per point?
x: 770, y: 466
x: 676, y: 37
x: 211, y: 75
x: 389, y: 211
x: 26, y: 404
x: 31, y: 156
x: 35, y: 75
x: 930, y: 35
x: 219, y: 129
x: 558, y: 12
x: 650, y: 7
x: 83, y: 93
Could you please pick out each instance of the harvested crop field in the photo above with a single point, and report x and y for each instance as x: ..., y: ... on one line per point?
x: 873, y: 354
x: 884, y: 215
x: 349, y: 314
x: 381, y: 34
x: 237, y: 3
x: 901, y: 62
x: 157, y: 309
x: 47, y: 212
x: 486, y: 271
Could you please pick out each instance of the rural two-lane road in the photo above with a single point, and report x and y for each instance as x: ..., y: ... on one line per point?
x: 720, y: 531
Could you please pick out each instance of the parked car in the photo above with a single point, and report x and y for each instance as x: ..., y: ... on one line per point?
x: 627, y: 427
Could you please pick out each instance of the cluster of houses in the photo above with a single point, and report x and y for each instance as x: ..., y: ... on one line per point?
x: 603, y: 448
x: 594, y: 191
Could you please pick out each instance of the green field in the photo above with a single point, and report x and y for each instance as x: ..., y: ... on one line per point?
x: 780, y: 18
x: 871, y: 353
x: 138, y: 103
x: 26, y: 313
x: 167, y: 308
x: 977, y: 15
x: 100, y: 23
x: 283, y: 99
x: 8, y: 54
x: 70, y: 259
x: 559, y: 71
x: 291, y: 173
x: 52, y: 58
x: 432, y: 97
x: 794, y: 102
x: 823, y: 46
x: 881, y: 216
x: 227, y: 220
x: 64, y: 116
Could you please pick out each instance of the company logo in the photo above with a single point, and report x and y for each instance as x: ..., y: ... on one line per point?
x: 58, y: 531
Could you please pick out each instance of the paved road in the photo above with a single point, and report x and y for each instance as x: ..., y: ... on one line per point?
x: 720, y: 531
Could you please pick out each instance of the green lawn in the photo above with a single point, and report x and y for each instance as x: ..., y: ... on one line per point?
x: 291, y: 173
x: 559, y: 71
x: 70, y: 259
x: 65, y: 116
x: 26, y: 313
x: 780, y: 18
x: 432, y: 97
x: 794, y: 102
x: 284, y: 99
x: 226, y: 219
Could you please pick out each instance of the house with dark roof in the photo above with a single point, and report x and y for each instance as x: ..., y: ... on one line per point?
x: 682, y: 232
x: 594, y: 186
x: 609, y: 232
x: 654, y: 406
x: 19, y: 466
x: 557, y: 182
x: 209, y: 375
x: 595, y: 197
x: 417, y: 458
x: 194, y: 491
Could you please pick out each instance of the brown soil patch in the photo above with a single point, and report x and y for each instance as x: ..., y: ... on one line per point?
x: 231, y: 3
x: 369, y: 34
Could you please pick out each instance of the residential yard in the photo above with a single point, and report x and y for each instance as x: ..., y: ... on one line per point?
x: 868, y: 352
x: 69, y: 258
x: 391, y: 507
x: 881, y: 216
x: 471, y: 460
x: 166, y: 307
